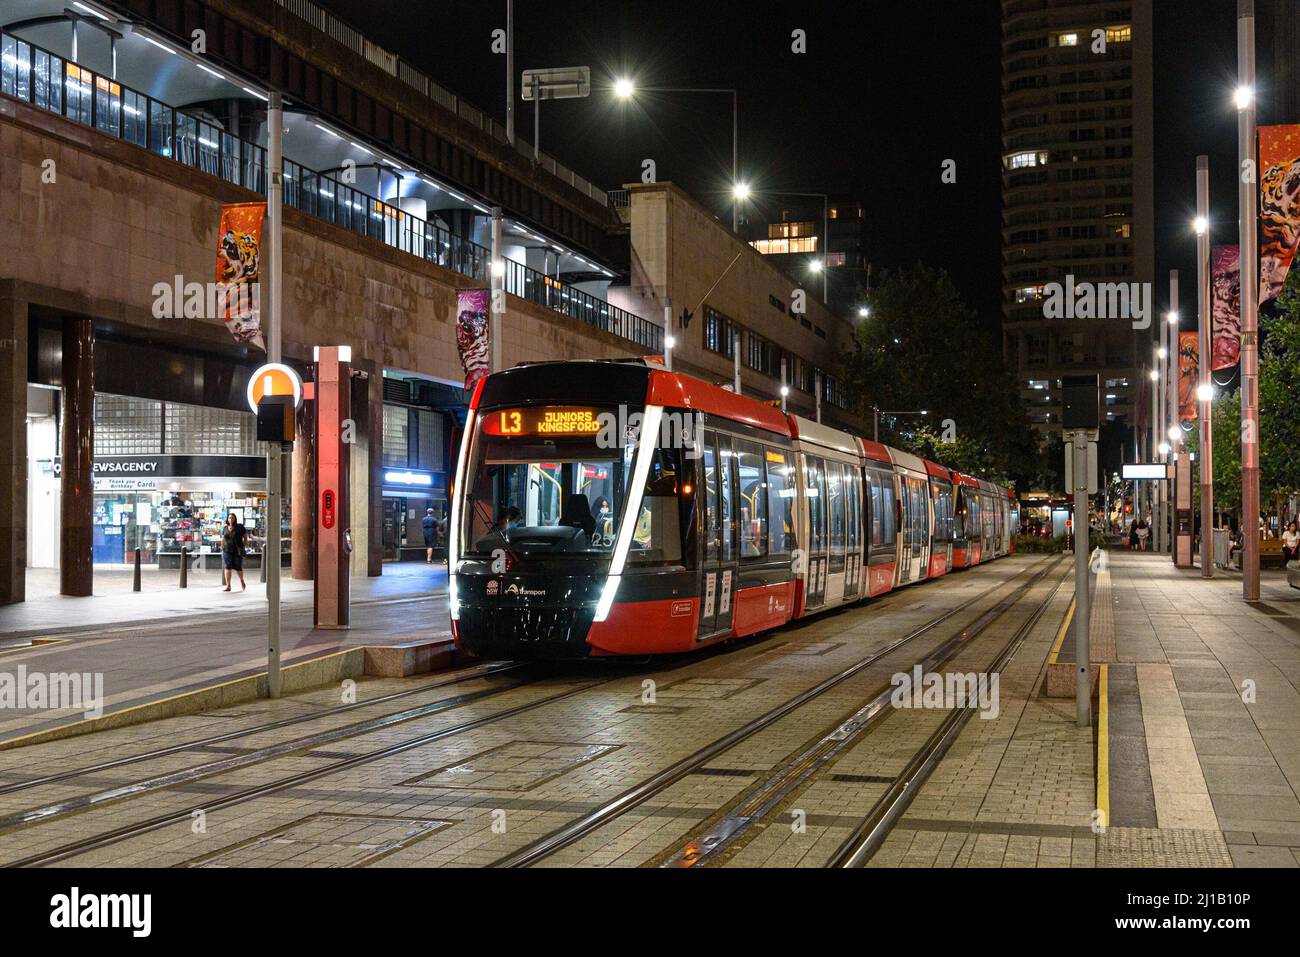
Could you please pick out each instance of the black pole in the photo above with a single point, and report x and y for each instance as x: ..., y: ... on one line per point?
x: 185, y: 567
x: 135, y: 585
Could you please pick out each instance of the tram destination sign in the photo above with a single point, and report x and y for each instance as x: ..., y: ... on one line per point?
x: 544, y: 420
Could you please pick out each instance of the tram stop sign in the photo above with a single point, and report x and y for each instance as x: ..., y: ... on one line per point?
x: 274, y: 392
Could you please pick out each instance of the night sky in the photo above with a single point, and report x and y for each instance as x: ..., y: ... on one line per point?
x: 885, y: 93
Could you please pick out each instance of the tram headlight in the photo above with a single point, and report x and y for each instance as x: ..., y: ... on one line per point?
x: 452, y: 598
x: 607, y: 597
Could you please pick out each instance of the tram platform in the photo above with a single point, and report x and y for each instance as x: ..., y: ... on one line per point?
x: 1193, y: 759
x: 163, y: 652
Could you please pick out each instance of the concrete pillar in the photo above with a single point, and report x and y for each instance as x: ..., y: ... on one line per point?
x: 302, y: 500
x: 13, y: 450
x: 77, y: 454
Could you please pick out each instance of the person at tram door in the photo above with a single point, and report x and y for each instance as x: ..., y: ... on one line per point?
x: 430, y: 525
x: 233, y: 536
x: 509, y: 518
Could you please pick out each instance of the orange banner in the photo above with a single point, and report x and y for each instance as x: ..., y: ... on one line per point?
x: 1188, y: 352
x: 239, y: 254
x: 1279, y: 209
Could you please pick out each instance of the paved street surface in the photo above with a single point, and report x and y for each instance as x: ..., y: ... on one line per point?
x: 497, y: 763
x: 157, y: 643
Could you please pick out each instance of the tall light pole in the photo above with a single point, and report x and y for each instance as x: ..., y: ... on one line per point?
x: 1155, y: 449
x: 510, y: 71
x: 1204, y: 390
x: 625, y: 89
x: 274, y: 328
x: 1246, y: 224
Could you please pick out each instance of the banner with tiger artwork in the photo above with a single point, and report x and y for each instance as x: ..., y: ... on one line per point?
x: 472, y: 334
x: 1188, y: 352
x: 239, y: 255
x: 1279, y: 205
x: 1225, y: 292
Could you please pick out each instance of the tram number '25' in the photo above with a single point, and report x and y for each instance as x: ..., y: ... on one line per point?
x: 512, y: 423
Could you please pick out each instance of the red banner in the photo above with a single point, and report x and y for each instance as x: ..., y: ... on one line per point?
x: 1225, y: 289
x: 1279, y: 205
x: 472, y: 334
x: 1188, y: 351
x: 239, y: 254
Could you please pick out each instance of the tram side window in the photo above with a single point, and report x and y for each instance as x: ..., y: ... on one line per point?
x: 943, y: 518
x: 852, y: 501
x: 917, y: 495
x: 780, y: 502
x: 726, y: 514
x: 709, y: 494
x: 974, y: 523
x: 815, y: 491
x: 753, y: 500
x: 835, y: 509
x: 882, y: 507
x: 657, y: 536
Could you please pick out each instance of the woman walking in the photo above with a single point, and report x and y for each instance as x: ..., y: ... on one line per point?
x: 232, y: 551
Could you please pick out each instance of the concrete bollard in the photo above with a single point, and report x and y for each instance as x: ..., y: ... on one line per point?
x: 135, y: 584
x: 185, y: 567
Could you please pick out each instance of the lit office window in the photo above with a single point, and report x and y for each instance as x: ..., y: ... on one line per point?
x: 1067, y: 39
x: 1119, y: 34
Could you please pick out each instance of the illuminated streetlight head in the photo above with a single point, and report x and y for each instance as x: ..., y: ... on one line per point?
x: 498, y: 268
x: 785, y: 390
x: 740, y: 191
x: 1243, y: 97
x: 815, y: 265
x: 863, y: 311
x: 1162, y: 353
x: 1174, y: 433
x: 1205, y: 393
x: 669, y: 341
x: 1173, y: 318
x: 1164, y: 448
x: 623, y: 88
x: 1155, y: 375
x: 1200, y: 225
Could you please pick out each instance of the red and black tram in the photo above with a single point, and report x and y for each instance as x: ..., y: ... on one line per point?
x: 614, y: 508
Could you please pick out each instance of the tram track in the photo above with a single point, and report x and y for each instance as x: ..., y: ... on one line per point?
x: 549, y: 844
x: 462, y: 675
x: 798, y: 771
x: 93, y: 802
x: 859, y: 847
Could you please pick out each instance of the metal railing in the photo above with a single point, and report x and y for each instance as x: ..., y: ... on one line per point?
x: 30, y: 73
x: 395, y: 66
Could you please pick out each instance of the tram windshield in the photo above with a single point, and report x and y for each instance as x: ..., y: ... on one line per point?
x: 547, y: 480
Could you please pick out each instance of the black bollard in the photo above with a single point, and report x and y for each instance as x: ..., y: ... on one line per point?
x: 185, y: 567
x: 135, y: 585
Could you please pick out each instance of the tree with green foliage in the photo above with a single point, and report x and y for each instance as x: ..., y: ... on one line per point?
x: 923, y: 348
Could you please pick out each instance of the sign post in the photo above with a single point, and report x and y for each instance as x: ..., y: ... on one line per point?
x: 274, y: 392
x: 1081, y: 422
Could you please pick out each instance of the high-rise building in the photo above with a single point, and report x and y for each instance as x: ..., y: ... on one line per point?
x: 1077, y: 200
x: 805, y: 234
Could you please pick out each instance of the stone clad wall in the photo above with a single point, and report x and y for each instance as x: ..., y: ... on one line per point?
x: 680, y: 249
x: 119, y: 219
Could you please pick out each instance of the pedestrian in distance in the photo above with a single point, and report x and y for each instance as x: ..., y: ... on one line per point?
x: 1290, y: 543
x: 1132, y: 536
x: 1142, y: 533
x: 233, y: 537
x: 430, y: 525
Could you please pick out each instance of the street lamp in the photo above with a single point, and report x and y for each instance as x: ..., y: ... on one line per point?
x: 863, y: 312
x: 877, y: 413
x: 625, y: 89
